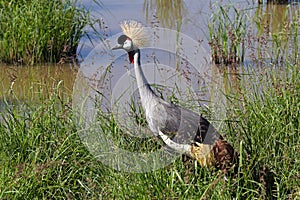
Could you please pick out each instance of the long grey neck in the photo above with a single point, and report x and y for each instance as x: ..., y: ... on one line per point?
x: 146, y: 93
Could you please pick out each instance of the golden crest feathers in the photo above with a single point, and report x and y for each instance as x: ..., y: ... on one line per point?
x: 136, y: 32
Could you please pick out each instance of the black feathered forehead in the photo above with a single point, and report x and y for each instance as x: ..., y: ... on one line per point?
x: 122, y: 39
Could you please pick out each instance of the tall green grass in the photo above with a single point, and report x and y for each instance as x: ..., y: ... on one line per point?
x: 38, y: 31
x: 265, y: 115
x: 42, y: 156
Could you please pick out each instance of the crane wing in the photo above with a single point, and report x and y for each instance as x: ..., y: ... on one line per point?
x: 187, y: 127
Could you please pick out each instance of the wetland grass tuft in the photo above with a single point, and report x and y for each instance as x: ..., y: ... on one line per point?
x: 234, y: 36
x: 39, y: 31
x: 278, y: 34
x: 227, y: 34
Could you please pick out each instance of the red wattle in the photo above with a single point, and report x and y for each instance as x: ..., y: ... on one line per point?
x: 130, y: 55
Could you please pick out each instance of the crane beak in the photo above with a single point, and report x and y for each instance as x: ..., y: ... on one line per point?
x: 118, y: 46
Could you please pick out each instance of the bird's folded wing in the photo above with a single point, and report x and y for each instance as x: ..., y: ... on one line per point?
x: 185, y: 126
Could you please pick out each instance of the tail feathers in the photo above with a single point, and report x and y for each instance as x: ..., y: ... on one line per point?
x: 224, y: 154
x: 220, y: 155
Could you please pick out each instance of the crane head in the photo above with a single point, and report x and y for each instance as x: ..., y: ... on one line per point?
x: 124, y: 42
x: 135, y: 36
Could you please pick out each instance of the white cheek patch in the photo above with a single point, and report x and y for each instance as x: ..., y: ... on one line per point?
x: 127, y: 44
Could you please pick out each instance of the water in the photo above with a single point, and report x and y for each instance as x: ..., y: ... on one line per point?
x: 31, y: 84
x: 188, y: 17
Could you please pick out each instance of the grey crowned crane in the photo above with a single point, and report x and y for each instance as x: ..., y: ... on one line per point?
x: 180, y: 129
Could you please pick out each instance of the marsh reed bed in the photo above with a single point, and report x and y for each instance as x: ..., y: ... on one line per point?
x: 39, y: 31
x: 236, y: 34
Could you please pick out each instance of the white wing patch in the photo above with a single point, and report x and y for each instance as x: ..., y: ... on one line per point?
x: 202, y: 152
x: 181, y: 148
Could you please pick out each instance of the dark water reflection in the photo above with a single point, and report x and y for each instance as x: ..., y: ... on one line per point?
x: 19, y: 84
x: 276, y: 16
x: 169, y: 13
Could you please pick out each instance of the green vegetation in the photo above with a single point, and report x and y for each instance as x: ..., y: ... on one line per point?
x: 227, y: 34
x: 268, y: 35
x: 265, y: 119
x: 277, y: 35
x: 38, y: 31
x: 42, y: 155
